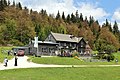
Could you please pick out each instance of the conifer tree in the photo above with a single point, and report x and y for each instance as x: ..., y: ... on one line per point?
x: 8, y: 2
x: 73, y: 19
x: 68, y: 18
x: 81, y: 17
x: 63, y: 16
x: 5, y: 3
x: 107, y: 25
x: 115, y: 28
x: 42, y: 11
x: 110, y: 28
x: 58, y: 15
x: 86, y: 20
x: 77, y: 16
x: 13, y: 4
x: 97, y: 22
x: 91, y: 20
x: 19, y: 6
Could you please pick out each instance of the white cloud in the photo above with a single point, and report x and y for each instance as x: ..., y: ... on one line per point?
x: 116, y: 15
x: 68, y: 6
x: 91, y: 9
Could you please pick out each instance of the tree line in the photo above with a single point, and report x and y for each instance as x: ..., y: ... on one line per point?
x: 19, y: 25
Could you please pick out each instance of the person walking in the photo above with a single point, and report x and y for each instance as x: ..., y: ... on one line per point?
x: 5, y: 61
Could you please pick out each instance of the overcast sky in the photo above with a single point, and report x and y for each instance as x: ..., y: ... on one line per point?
x: 99, y: 9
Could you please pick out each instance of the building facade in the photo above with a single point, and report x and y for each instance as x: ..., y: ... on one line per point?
x: 57, y: 43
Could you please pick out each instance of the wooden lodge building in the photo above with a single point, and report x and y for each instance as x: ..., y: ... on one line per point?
x: 57, y: 43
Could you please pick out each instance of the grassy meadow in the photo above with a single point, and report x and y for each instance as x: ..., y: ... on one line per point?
x: 108, y: 73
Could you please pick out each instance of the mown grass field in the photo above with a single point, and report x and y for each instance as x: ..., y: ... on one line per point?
x: 4, y: 53
x: 108, y: 73
x: 70, y: 61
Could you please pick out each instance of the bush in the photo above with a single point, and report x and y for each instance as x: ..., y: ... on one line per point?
x: 106, y: 56
x: 75, y: 53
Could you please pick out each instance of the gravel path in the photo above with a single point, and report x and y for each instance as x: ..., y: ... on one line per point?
x: 23, y: 63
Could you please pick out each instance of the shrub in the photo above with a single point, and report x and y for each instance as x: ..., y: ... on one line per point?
x: 75, y: 53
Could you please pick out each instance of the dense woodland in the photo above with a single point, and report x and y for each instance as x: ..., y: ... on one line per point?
x: 19, y: 25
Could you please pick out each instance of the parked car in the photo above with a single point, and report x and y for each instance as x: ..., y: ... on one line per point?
x: 20, y: 53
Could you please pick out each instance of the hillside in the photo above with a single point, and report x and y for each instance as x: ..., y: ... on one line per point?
x: 18, y: 25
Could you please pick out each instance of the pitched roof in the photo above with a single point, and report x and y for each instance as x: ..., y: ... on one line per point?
x: 65, y: 37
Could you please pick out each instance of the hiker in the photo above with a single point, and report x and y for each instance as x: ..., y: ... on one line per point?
x: 5, y: 61
x: 15, y: 61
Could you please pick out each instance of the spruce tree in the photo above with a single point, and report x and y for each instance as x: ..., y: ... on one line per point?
x: 81, y: 17
x: 73, y: 19
x: 115, y: 28
x: 107, y: 23
x: 42, y: 11
x: 110, y: 28
x: 68, y: 18
x: 91, y: 20
x: 63, y: 16
x: 13, y: 4
x: 8, y: 3
x: 19, y: 6
x: 77, y: 16
x: 58, y: 15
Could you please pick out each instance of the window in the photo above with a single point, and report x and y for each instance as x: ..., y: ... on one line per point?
x: 74, y: 45
x: 44, y: 50
x: 64, y: 44
x: 82, y: 43
x: 70, y: 44
x: 51, y: 50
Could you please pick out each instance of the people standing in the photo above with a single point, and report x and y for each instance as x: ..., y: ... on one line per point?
x: 8, y: 53
x: 15, y: 61
x: 5, y: 61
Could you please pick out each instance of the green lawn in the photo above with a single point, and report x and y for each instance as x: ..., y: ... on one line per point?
x: 109, y: 73
x: 117, y: 55
x: 3, y: 53
x: 66, y: 61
